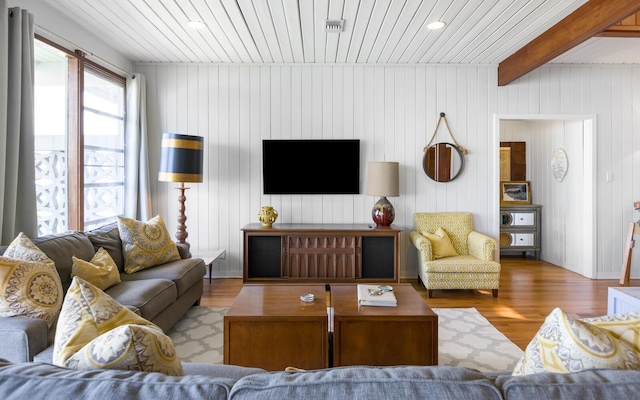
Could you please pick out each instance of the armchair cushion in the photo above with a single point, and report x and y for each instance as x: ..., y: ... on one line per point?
x: 440, y: 243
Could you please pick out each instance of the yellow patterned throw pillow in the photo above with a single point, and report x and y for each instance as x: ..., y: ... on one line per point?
x: 565, y: 345
x: 96, y: 332
x: 440, y: 244
x: 101, y: 271
x: 29, y: 282
x: 145, y: 244
x: 624, y: 326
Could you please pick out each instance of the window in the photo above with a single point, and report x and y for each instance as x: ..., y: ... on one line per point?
x: 79, y: 139
x: 103, y: 150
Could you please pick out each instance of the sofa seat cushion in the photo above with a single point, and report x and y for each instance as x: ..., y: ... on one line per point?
x: 149, y: 297
x: 368, y: 383
x: 585, y: 385
x: 184, y: 273
x: 38, y: 381
x: 61, y: 248
x: 461, y: 264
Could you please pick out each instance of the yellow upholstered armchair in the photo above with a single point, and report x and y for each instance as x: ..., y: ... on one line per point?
x: 473, y: 266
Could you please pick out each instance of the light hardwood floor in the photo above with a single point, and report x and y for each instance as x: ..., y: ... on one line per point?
x: 529, y: 291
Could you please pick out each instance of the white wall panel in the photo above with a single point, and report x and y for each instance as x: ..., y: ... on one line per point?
x: 393, y: 111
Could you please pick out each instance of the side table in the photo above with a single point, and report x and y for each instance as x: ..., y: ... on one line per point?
x: 210, y: 257
x: 623, y: 299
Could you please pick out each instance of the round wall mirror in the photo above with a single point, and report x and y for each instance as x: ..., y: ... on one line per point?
x: 443, y: 162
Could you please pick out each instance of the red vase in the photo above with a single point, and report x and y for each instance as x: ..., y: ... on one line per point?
x: 383, y: 213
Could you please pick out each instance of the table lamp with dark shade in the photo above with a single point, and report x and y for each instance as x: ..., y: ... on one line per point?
x: 383, y: 180
x: 181, y: 161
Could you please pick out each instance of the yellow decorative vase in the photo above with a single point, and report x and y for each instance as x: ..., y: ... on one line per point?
x: 267, y: 215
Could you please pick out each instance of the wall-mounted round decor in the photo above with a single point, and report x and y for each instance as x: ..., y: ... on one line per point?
x: 559, y: 164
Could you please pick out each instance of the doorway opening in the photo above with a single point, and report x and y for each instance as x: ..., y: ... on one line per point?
x: 568, y: 230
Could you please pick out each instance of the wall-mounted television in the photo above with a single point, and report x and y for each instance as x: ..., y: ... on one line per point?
x: 330, y: 166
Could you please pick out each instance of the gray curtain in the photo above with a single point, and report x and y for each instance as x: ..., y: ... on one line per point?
x: 136, y: 183
x: 18, y: 209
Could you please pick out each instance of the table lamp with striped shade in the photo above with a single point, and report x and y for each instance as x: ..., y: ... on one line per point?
x: 181, y: 161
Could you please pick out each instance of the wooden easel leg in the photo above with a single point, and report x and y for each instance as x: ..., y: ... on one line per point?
x: 626, y: 261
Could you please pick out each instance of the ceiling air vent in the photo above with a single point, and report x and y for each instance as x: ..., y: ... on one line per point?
x: 334, y: 25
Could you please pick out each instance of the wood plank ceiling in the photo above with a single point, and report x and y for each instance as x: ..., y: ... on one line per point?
x: 293, y: 31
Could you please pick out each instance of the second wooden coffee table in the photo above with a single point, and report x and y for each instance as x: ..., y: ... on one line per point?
x: 366, y: 335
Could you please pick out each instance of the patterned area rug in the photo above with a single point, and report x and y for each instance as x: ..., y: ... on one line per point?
x: 198, y: 336
x: 466, y: 339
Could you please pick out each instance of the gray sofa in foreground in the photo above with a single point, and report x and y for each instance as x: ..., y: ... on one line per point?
x: 161, y: 294
x: 35, y: 381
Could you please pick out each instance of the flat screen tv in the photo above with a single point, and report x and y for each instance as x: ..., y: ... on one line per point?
x: 329, y: 166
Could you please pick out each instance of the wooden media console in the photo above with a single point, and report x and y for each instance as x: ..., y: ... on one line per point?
x: 320, y: 253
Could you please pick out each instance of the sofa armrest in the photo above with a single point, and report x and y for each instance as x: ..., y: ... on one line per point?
x: 184, y: 250
x: 22, y: 338
x: 481, y: 246
x: 423, y: 245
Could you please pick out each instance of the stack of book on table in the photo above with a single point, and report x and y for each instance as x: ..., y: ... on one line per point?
x: 376, y: 295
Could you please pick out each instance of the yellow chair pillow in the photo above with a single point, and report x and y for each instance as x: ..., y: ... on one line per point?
x: 145, y: 244
x: 440, y: 244
x: 565, y: 345
x: 94, y: 331
x: 101, y: 271
x: 30, y: 285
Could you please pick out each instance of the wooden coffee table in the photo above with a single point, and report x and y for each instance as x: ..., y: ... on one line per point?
x: 269, y: 327
x: 366, y: 335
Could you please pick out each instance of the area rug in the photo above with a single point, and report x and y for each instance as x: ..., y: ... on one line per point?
x: 465, y: 338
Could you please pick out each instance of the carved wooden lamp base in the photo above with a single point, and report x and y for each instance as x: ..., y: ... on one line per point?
x: 182, y: 233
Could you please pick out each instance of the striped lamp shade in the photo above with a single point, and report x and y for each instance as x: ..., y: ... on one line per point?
x: 181, y: 158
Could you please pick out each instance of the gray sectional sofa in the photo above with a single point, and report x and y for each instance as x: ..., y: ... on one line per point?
x: 35, y: 381
x: 161, y: 294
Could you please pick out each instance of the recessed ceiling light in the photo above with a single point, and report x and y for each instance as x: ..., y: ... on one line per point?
x: 196, y: 24
x: 435, y: 25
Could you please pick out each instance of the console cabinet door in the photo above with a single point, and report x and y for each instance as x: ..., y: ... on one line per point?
x: 321, y: 257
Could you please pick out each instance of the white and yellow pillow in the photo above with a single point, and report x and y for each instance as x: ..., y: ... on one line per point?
x: 565, y: 345
x: 95, y: 332
x: 624, y: 326
x: 145, y: 244
x: 441, y: 245
x: 102, y: 272
x: 22, y: 248
x: 30, y: 285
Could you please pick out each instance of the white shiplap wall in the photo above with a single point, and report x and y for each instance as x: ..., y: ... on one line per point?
x: 393, y: 111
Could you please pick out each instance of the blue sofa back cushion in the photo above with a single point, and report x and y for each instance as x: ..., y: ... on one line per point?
x: 108, y: 237
x: 371, y: 383
x: 585, y: 385
x: 60, y: 247
x: 44, y: 381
